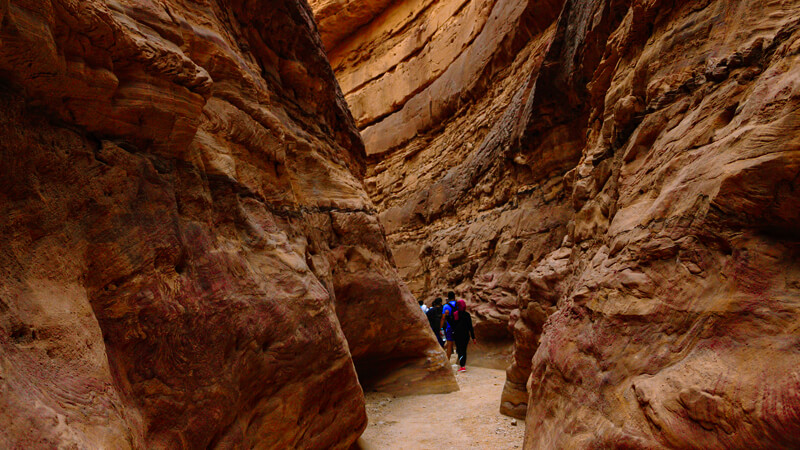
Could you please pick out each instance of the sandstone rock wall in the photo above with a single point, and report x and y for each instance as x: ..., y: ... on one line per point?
x: 678, y: 285
x: 429, y: 84
x: 189, y: 257
x: 617, y: 180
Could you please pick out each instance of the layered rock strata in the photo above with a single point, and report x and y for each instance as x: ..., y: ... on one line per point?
x: 622, y: 173
x: 428, y: 82
x: 189, y: 258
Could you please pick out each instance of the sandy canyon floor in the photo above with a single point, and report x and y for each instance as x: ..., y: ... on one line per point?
x: 466, y: 419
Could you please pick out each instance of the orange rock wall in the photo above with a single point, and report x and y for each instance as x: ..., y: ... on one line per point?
x: 189, y: 257
x: 617, y: 181
x: 678, y: 286
x: 428, y: 82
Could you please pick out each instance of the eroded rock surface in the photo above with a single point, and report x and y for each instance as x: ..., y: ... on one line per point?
x: 678, y: 311
x: 617, y: 180
x: 429, y: 84
x: 189, y: 257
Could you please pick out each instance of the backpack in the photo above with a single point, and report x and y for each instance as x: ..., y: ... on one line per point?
x: 453, y: 308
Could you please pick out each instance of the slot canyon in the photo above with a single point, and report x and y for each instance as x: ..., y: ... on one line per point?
x: 217, y: 218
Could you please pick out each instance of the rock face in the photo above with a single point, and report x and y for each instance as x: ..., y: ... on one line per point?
x: 618, y: 180
x: 679, y: 297
x: 189, y: 257
x: 428, y: 82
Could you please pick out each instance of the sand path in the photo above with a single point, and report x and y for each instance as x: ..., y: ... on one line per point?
x: 467, y: 419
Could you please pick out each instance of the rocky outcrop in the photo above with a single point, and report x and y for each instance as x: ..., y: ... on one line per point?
x: 623, y: 174
x: 189, y: 256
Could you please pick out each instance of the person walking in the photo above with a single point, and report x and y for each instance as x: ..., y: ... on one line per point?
x: 423, y: 307
x: 447, y: 321
x: 434, y: 315
x: 462, y: 331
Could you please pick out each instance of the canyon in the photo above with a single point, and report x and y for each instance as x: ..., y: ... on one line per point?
x: 611, y: 183
x: 189, y: 258
x: 217, y: 216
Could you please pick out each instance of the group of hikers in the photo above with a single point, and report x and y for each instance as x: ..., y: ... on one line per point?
x: 454, y: 322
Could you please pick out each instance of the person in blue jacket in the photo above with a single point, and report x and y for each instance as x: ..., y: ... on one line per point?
x: 447, y: 318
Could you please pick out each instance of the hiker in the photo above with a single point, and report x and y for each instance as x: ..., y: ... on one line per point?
x: 447, y: 318
x: 462, y: 331
x: 423, y: 307
x: 435, y: 318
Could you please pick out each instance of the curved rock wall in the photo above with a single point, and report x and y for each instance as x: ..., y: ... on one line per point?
x: 678, y: 286
x: 617, y: 180
x: 189, y: 256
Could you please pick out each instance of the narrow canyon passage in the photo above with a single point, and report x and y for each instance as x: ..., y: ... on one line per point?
x: 613, y: 185
x: 217, y: 218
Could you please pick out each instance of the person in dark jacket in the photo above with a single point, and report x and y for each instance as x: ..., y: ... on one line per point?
x: 462, y: 331
x: 434, y: 315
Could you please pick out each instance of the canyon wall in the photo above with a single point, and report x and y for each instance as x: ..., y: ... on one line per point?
x: 617, y: 180
x: 678, y: 286
x: 189, y: 257
x: 429, y: 83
